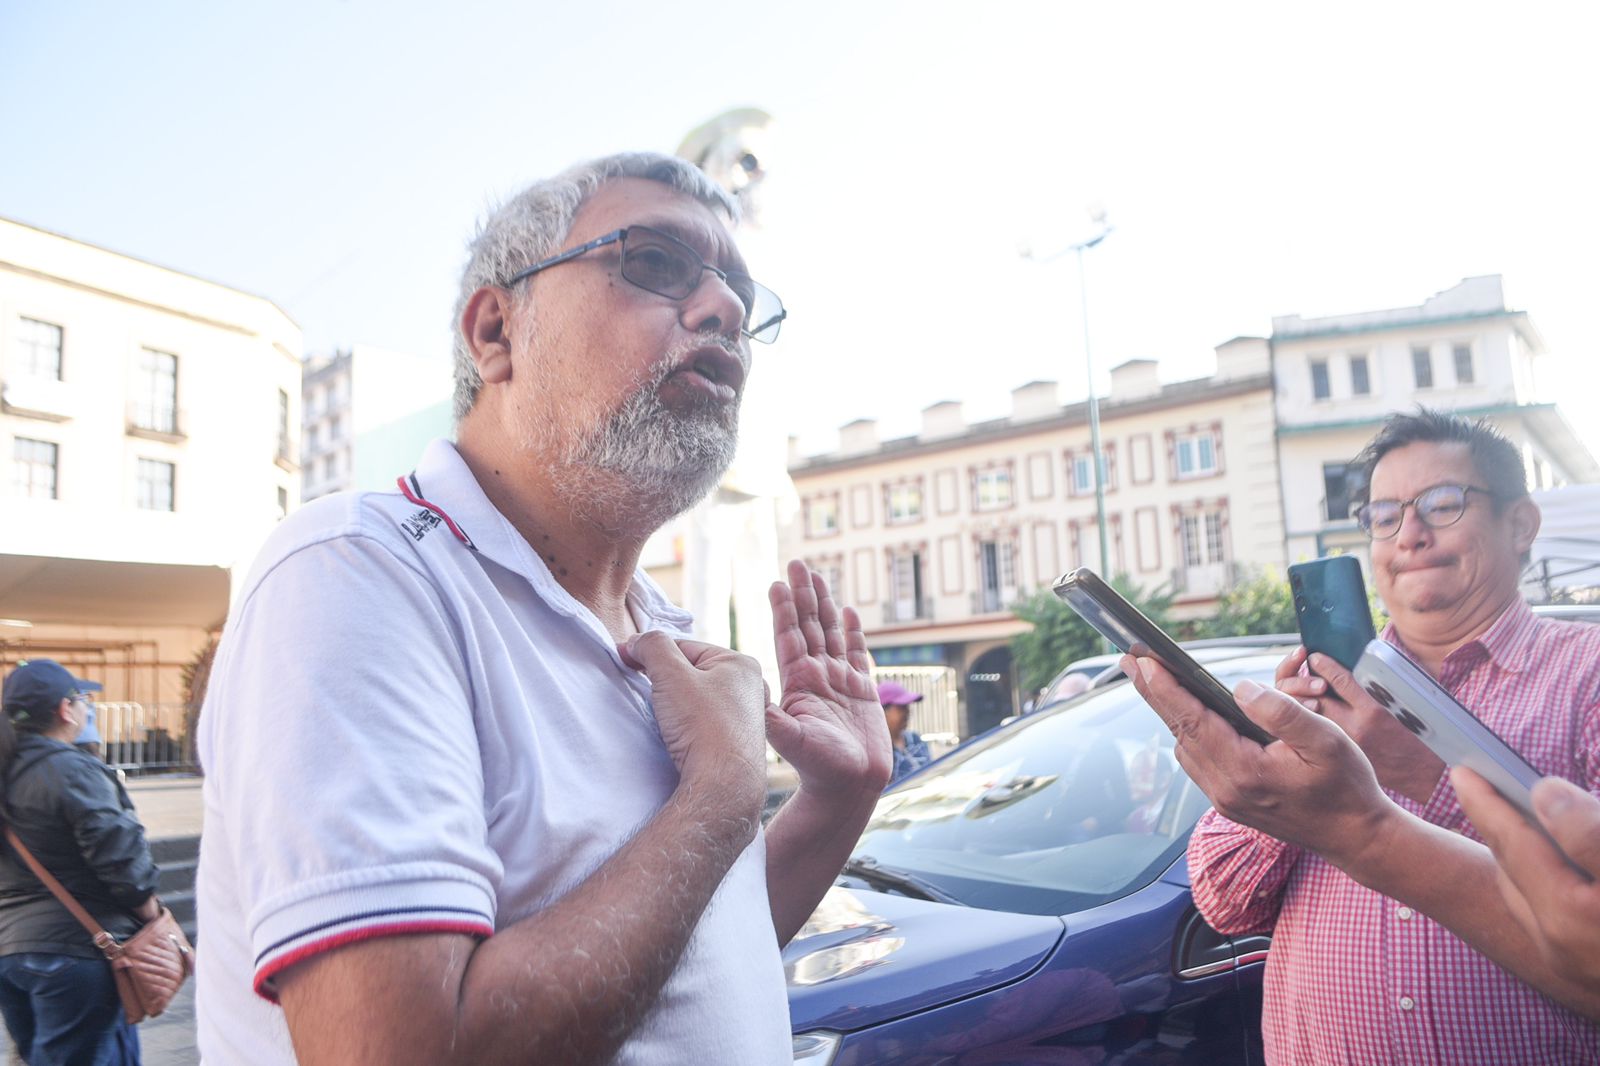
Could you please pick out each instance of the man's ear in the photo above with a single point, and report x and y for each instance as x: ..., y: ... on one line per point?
x: 1525, y: 519
x: 485, y: 323
x: 64, y: 711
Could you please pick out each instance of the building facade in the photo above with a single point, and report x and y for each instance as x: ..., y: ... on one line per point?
x: 934, y: 537
x: 356, y: 400
x: 1339, y: 377
x: 151, y: 420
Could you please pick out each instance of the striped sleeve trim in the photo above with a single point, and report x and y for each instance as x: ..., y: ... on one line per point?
x: 400, y: 922
x: 348, y: 906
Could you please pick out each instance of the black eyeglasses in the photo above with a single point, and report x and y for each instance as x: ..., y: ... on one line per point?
x: 1440, y: 506
x: 666, y: 266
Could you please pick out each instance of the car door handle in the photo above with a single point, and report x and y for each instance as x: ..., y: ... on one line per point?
x: 1201, y: 951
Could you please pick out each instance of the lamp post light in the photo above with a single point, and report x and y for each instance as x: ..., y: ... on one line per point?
x: 1098, y: 216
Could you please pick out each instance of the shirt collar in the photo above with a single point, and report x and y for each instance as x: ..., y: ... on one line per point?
x: 1508, y: 642
x: 443, y: 480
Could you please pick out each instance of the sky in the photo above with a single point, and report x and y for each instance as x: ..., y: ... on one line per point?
x: 1255, y: 160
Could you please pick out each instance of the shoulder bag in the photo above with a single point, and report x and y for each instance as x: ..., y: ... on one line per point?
x: 149, y: 967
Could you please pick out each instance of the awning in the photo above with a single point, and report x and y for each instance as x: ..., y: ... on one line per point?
x: 98, y: 592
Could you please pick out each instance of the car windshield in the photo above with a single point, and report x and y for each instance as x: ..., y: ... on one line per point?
x: 1089, y: 668
x: 1061, y: 811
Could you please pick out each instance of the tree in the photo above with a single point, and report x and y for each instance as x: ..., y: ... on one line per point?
x: 1059, y: 636
x: 1263, y: 604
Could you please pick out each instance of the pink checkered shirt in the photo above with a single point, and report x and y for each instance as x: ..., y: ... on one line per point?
x: 1353, y: 976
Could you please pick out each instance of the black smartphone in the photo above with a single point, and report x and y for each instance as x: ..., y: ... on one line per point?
x: 1330, y: 603
x: 1125, y: 626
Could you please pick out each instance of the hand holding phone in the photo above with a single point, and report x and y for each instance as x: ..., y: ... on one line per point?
x: 1125, y: 626
x: 1330, y: 605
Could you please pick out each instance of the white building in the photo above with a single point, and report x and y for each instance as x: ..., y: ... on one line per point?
x: 356, y: 392
x: 150, y: 419
x: 934, y: 537
x: 1338, y: 377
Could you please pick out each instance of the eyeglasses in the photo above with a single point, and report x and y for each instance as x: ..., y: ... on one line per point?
x: 664, y: 265
x: 1440, y: 506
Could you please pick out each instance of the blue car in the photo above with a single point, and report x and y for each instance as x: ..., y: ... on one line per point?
x: 1026, y: 900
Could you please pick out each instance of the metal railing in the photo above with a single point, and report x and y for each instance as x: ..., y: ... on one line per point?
x: 156, y: 419
x: 907, y: 610
x: 993, y: 601
x: 937, y: 716
x: 144, y: 736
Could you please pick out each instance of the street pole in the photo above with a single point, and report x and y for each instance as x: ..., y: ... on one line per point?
x: 1094, y: 412
x: 1088, y: 369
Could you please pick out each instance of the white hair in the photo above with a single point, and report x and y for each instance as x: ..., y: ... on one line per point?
x: 532, y: 224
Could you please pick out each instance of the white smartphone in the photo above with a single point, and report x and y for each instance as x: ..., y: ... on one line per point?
x: 1451, y: 731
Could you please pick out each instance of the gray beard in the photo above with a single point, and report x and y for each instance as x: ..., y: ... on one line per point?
x: 646, y: 464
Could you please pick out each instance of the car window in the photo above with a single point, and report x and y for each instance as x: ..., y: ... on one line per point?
x: 1061, y: 811
x: 1089, y: 668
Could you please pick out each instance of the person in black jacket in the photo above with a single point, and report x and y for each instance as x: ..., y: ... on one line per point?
x: 56, y: 990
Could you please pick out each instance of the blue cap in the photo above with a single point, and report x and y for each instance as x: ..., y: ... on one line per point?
x: 37, y: 686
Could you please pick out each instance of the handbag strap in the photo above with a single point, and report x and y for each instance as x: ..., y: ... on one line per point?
x: 102, y: 939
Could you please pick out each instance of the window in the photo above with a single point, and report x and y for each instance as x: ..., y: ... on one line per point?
x: 155, y: 399
x: 904, y: 502
x: 311, y: 439
x: 997, y: 574
x: 1463, y: 356
x: 992, y: 488
x: 1320, y: 389
x: 822, y: 516
x: 330, y: 467
x: 832, y: 570
x: 1191, y: 540
x: 1075, y: 544
x: 1336, y: 491
x: 33, y: 468
x: 335, y: 427
x: 1214, y: 552
x: 1360, y: 378
x: 38, y: 350
x: 1202, y: 538
x: 283, y: 501
x: 905, y: 586
x: 1422, y: 367
x: 283, y: 424
x: 1081, y: 471
x: 1195, y: 455
x: 155, y: 485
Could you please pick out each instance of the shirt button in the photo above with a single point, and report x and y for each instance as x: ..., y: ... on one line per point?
x: 1407, y: 1003
x: 1405, y: 913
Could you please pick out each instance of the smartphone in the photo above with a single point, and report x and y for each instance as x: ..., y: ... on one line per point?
x: 1330, y: 603
x: 1449, y: 730
x: 1125, y: 626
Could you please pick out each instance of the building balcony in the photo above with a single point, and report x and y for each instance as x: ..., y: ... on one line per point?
x: 156, y: 422
x: 897, y: 612
x: 42, y: 398
x: 1205, y: 581
x: 993, y: 601
x: 286, y: 457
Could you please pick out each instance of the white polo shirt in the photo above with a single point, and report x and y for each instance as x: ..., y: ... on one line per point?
x: 403, y: 733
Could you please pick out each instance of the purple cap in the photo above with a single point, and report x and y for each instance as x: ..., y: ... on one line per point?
x: 894, y: 692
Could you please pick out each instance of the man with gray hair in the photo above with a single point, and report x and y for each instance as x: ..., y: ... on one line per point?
x: 533, y: 827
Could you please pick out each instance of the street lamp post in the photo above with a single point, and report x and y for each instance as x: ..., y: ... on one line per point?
x: 1088, y: 368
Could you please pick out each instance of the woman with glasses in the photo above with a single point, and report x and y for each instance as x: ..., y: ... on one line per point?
x: 57, y: 993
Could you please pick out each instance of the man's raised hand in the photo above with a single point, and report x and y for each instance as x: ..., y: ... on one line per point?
x: 827, y: 723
